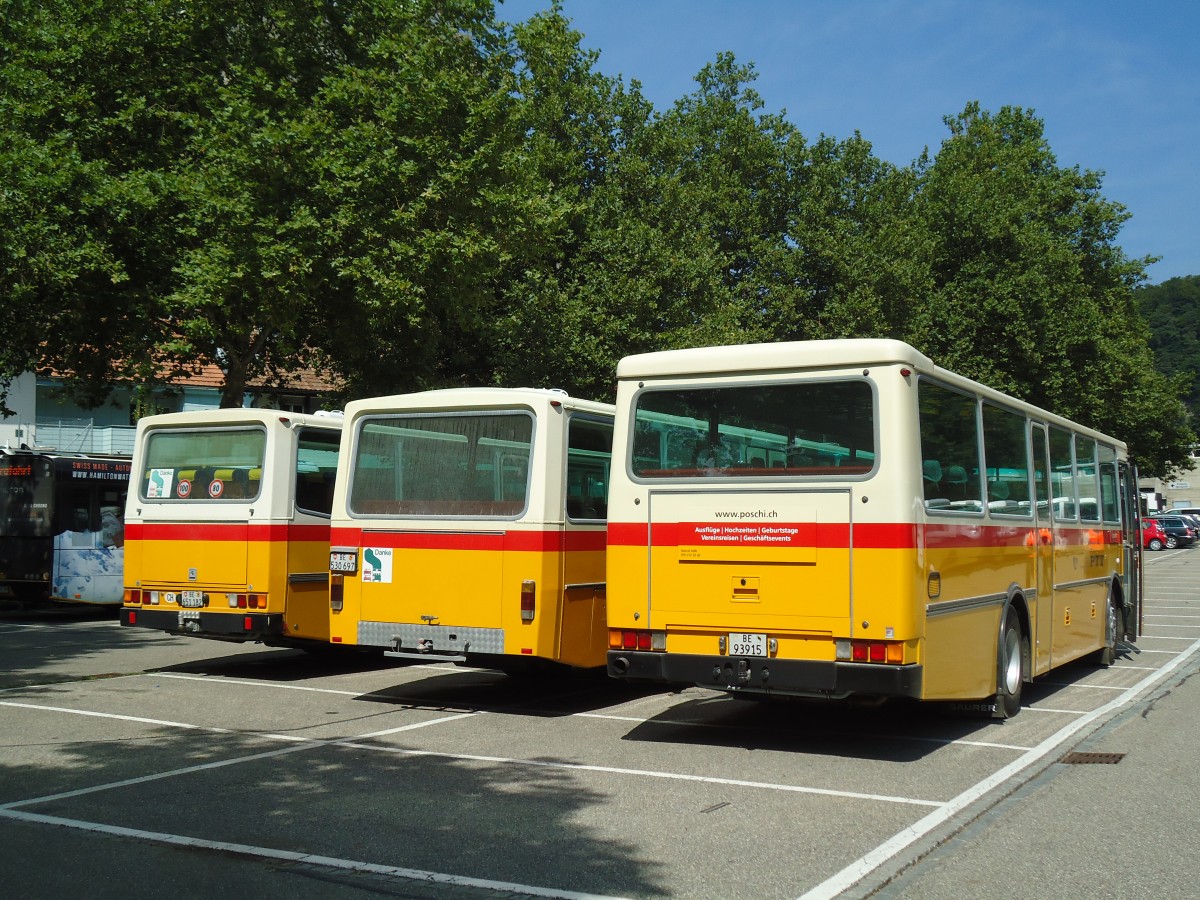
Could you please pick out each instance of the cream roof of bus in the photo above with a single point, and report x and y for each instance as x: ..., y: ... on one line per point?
x: 782, y: 356
x: 473, y: 398
x: 236, y: 416
x: 797, y: 355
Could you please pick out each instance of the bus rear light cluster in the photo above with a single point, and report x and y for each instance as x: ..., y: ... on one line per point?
x: 888, y: 652
x: 246, y: 601
x: 528, y: 600
x: 637, y: 640
x: 136, y: 597
x: 337, y: 593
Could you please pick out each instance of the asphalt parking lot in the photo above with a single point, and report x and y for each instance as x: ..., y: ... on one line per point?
x: 137, y: 764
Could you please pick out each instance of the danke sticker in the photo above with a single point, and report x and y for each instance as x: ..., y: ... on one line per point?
x: 377, y: 565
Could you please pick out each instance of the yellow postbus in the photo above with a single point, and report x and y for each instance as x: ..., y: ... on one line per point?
x: 227, y: 525
x: 845, y: 519
x: 469, y: 525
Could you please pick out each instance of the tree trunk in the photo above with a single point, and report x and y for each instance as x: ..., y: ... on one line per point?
x: 234, y: 388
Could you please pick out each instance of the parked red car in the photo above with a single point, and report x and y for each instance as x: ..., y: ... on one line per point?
x: 1153, y: 537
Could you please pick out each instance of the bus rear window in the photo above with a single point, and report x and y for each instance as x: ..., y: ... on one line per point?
x: 223, y: 464
x: 443, y: 465
x: 27, y: 492
x: 823, y: 429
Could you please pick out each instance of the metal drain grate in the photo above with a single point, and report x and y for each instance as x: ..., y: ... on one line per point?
x: 1102, y: 759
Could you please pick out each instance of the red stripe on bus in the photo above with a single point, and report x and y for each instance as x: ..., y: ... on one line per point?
x: 891, y: 535
x: 869, y: 536
x: 534, y: 541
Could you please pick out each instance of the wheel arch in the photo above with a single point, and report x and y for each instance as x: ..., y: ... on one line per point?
x: 1017, y: 601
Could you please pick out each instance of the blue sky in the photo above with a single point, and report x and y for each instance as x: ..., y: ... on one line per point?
x: 1116, y: 83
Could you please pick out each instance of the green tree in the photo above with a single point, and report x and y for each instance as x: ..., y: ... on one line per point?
x: 263, y: 186
x: 610, y: 272
x: 709, y: 223
x: 1029, y: 291
x: 1172, y: 310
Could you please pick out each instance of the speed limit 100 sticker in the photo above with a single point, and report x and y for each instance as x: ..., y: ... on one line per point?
x: 183, y: 489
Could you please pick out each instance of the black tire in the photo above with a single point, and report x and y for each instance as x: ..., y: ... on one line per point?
x: 1171, y: 542
x: 1010, y: 667
x: 1155, y: 544
x: 1107, y: 654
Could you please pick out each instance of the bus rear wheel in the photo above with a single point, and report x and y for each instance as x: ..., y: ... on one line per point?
x: 1010, y: 668
x: 1107, y: 654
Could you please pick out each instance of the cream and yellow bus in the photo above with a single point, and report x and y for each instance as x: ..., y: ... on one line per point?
x: 227, y: 525
x: 469, y: 525
x: 845, y: 519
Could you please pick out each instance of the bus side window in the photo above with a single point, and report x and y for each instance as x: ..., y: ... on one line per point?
x: 589, y: 456
x: 314, y: 492
x: 316, y: 470
x: 949, y: 449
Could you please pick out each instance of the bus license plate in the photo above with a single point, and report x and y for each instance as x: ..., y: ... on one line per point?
x: 747, y: 644
x: 341, y: 561
x: 191, y: 598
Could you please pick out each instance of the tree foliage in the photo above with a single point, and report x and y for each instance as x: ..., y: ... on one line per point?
x: 1030, y: 292
x: 261, y: 186
x: 413, y: 194
x: 1172, y: 310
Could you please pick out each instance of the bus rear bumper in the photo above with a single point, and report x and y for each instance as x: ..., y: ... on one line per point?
x: 231, y: 626
x: 795, y: 677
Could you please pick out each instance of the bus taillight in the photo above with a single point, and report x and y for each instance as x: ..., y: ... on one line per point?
x: 528, y: 600
x: 246, y: 601
x: 637, y: 640
x: 871, y: 651
x: 337, y: 590
x: 133, y: 596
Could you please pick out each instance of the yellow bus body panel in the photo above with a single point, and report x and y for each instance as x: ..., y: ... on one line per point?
x: 475, y: 588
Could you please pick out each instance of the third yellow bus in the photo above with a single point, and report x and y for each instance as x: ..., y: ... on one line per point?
x: 843, y: 519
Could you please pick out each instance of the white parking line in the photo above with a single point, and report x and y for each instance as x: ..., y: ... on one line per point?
x: 245, y: 681
x: 647, y: 773
x: 1141, y: 650
x: 741, y: 729
x: 1157, y: 637
x: 100, y: 715
x: 1080, y: 684
x: 297, y: 743
x: 354, y: 743
x: 296, y: 857
x: 871, y: 861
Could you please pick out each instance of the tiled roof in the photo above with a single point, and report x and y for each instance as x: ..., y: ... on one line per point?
x: 306, y: 381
